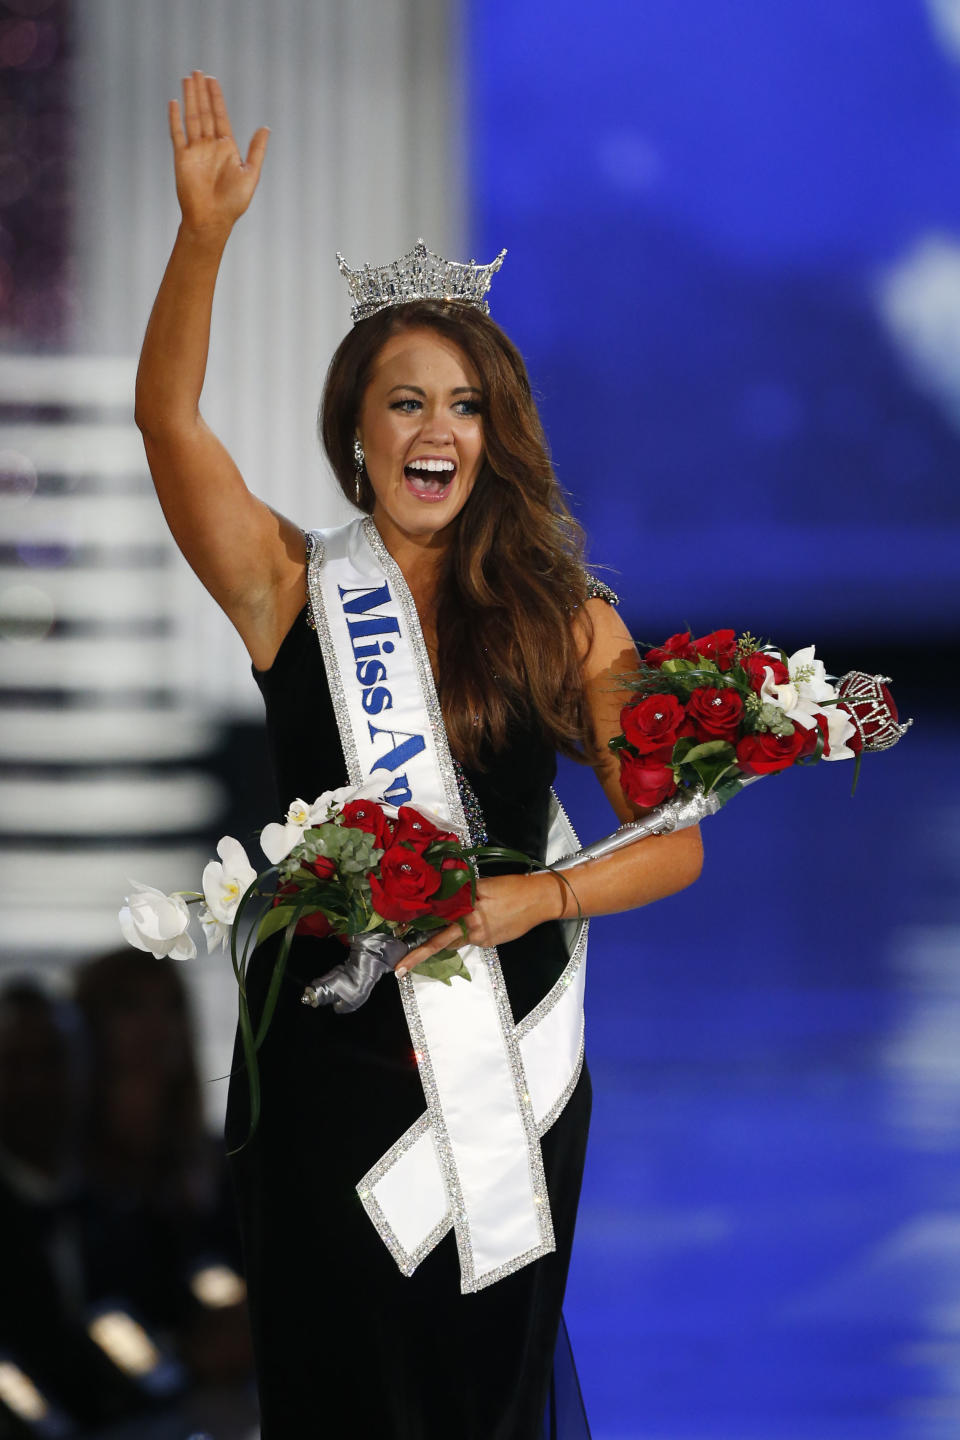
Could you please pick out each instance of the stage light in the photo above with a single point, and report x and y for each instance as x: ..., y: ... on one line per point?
x: 23, y: 1402
x: 125, y: 1342
x: 132, y: 1350
x: 217, y: 1287
x: 20, y: 1395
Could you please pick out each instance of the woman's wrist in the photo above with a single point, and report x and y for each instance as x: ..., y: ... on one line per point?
x: 555, y: 901
x: 208, y: 240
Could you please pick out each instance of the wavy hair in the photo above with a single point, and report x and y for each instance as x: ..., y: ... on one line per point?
x: 514, y: 571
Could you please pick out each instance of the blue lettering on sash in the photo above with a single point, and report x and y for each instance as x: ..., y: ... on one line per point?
x: 400, y: 752
x: 398, y: 792
x: 361, y: 602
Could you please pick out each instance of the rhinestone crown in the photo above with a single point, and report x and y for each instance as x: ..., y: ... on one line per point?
x: 418, y: 275
x: 872, y: 709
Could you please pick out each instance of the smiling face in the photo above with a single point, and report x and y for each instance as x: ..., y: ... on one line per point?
x: 422, y: 435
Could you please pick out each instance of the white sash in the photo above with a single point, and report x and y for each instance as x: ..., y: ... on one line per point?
x: 492, y: 1086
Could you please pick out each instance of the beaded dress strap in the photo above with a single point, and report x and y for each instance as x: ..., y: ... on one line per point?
x: 599, y: 590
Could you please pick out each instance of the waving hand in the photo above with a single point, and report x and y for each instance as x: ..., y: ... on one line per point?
x: 214, y: 182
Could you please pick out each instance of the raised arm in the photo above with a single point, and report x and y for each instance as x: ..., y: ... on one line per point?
x: 248, y: 557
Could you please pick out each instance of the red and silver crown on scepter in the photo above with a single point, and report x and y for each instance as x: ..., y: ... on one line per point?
x: 872, y: 709
x: 418, y: 275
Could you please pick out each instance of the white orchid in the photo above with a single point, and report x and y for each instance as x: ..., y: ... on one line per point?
x: 809, y: 677
x: 841, y: 728
x: 784, y: 695
x: 807, y: 694
x: 216, y: 932
x: 157, y: 923
x: 277, y: 840
x: 224, y: 883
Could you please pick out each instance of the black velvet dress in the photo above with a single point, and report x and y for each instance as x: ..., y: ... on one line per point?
x: 345, y: 1344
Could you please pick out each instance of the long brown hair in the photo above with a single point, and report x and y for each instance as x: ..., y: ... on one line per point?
x: 514, y: 570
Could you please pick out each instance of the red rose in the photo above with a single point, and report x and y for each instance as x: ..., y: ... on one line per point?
x: 403, y: 888
x: 415, y: 829
x: 652, y: 723
x: 757, y: 664
x: 646, y: 781
x: 821, y: 728
x: 678, y: 647
x: 720, y: 646
x: 762, y: 754
x: 716, y: 714
x: 368, y: 816
x: 317, y: 923
x: 323, y: 867
x: 459, y: 903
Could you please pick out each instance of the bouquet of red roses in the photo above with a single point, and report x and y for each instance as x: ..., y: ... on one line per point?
x: 708, y: 717
x: 379, y: 878
x: 714, y: 712
x: 357, y: 867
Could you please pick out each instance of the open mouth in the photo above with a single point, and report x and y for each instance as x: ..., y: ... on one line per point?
x: 430, y: 479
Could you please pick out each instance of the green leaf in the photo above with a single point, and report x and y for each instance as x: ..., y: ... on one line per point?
x: 709, y: 749
x: 275, y: 919
x: 426, y: 923
x: 451, y: 882
x: 856, y: 773
x: 445, y: 966
x: 682, y: 749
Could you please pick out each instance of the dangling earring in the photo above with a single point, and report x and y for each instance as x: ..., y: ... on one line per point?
x: 359, y: 459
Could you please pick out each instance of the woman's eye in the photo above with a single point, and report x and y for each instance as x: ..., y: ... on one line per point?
x: 409, y: 406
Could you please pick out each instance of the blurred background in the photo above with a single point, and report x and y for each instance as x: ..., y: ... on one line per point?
x: 734, y: 270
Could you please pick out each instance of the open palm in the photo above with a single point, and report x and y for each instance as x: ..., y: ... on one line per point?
x: 214, y: 182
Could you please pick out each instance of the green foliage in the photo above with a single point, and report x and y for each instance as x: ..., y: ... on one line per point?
x: 707, y: 763
x: 445, y: 966
x: 352, y: 851
x: 275, y: 919
x: 771, y: 718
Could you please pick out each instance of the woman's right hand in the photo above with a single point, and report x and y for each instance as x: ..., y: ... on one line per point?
x: 214, y: 183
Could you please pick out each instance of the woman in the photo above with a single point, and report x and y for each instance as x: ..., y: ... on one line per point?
x: 431, y: 430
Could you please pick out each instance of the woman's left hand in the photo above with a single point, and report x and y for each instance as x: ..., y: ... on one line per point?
x: 507, y: 906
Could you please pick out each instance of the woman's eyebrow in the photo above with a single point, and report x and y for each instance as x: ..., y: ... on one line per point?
x: 457, y: 390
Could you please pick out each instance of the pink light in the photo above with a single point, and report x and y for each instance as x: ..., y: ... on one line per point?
x: 18, y: 40
x: 29, y: 8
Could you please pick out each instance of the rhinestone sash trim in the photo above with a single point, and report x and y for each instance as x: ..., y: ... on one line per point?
x: 456, y: 1216
x: 469, y: 1280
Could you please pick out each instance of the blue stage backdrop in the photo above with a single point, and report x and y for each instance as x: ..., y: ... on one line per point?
x: 734, y: 269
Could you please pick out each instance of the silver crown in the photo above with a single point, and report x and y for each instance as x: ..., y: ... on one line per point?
x: 418, y: 275
x: 869, y: 705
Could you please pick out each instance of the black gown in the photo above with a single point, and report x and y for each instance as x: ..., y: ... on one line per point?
x: 344, y: 1343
